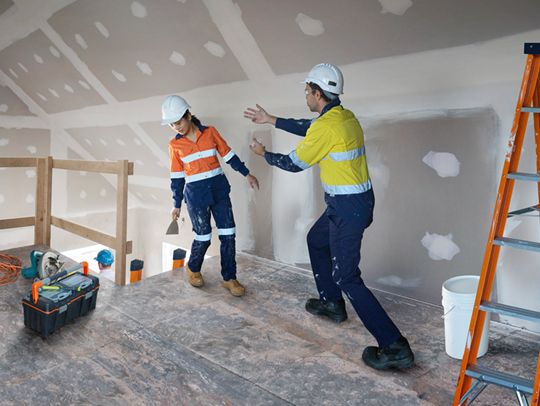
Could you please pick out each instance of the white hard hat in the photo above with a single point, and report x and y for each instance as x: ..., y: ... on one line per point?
x: 327, y: 76
x: 173, y: 109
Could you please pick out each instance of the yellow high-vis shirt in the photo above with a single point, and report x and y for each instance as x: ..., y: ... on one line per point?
x: 335, y: 141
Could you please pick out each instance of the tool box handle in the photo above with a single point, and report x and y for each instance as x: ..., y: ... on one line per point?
x: 46, y: 281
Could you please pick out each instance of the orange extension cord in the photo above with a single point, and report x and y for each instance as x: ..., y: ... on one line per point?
x: 10, y: 267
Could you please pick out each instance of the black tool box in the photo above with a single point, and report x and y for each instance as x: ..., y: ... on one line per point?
x: 52, y: 305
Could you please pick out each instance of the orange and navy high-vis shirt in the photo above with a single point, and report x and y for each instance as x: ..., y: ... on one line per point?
x: 196, y: 175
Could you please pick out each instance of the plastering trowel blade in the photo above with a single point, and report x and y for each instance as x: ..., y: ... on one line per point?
x: 173, y: 227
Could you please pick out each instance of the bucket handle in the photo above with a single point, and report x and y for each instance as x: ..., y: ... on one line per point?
x: 444, y: 315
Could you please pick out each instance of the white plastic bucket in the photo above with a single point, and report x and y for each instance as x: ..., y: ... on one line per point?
x: 458, y: 295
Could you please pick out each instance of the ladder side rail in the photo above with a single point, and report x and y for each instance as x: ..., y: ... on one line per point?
x: 502, y: 205
x: 535, y: 400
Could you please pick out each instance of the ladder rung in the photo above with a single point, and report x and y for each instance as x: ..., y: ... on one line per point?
x: 524, y: 176
x: 512, y: 311
x: 500, y: 378
x: 514, y: 243
x: 530, y: 109
x: 523, y: 211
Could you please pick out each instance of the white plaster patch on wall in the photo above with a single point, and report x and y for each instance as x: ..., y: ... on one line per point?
x: 139, y: 162
x: 82, y: 195
x: 397, y: 7
x: 159, y: 163
x: 54, y: 51
x: 394, y: 280
x: 41, y: 96
x: 84, y: 84
x: 29, y: 199
x: 103, y: 192
x: 138, y: 10
x: 82, y: 173
x: 137, y: 141
x: 215, y: 49
x: 140, y: 194
x: 38, y: 58
x: 69, y: 88
x: 23, y: 67
x: 119, y: 76
x: 309, y: 26
x: 13, y: 73
x: 103, y: 141
x: 4, y: 108
x: 4, y: 142
x: 1, y: 199
x: 53, y: 92
x: 31, y: 149
x: 120, y: 142
x: 102, y: 29
x: 177, y: 58
x: 151, y: 195
x: 440, y: 247
x: 88, y: 141
x: 145, y: 68
x: 80, y: 40
x: 444, y: 163
x: 30, y: 173
x: 182, y: 1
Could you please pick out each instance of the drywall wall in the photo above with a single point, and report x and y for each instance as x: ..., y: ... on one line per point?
x: 434, y: 90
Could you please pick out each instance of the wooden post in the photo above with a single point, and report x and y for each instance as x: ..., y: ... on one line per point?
x: 42, y: 230
x: 121, y: 221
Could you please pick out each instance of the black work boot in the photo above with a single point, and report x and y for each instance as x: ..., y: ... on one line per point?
x: 334, y: 310
x: 396, y: 355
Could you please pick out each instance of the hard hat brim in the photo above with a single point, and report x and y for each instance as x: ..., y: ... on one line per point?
x: 171, y: 120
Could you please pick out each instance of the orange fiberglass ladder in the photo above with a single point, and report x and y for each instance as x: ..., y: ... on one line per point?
x: 467, y: 390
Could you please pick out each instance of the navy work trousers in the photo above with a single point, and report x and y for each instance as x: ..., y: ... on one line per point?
x: 200, y: 220
x: 334, y: 251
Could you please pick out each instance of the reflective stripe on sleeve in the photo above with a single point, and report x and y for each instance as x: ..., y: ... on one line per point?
x: 178, y: 175
x: 206, y: 237
x: 199, y: 155
x: 229, y: 156
x: 204, y: 175
x: 226, y: 231
x: 347, y: 189
x: 297, y: 161
x: 347, y: 155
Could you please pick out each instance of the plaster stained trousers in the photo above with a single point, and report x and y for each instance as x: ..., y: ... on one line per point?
x: 334, y: 251
x: 224, y: 219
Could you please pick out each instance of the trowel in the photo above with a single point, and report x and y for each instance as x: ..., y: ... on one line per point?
x: 173, y: 227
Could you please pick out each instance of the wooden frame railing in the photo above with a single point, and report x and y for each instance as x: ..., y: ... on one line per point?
x: 43, y: 219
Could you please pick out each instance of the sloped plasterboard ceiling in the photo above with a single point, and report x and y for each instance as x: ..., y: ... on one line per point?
x: 137, y: 49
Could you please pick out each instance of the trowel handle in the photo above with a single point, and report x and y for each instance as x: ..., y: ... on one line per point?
x: 46, y: 281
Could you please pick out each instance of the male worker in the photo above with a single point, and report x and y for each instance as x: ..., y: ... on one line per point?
x: 105, y: 259
x: 335, y: 141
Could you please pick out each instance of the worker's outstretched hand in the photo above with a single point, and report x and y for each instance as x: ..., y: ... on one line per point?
x: 257, y: 147
x: 252, y: 180
x: 259, y: 116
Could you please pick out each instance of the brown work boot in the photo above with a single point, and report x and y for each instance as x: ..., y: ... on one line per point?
x: 234, y: 286
x: 195, y: 278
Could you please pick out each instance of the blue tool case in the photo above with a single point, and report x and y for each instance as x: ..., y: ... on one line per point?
x: 51, y: 306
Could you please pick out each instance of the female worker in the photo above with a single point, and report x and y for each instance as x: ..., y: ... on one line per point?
x: 194, y: 164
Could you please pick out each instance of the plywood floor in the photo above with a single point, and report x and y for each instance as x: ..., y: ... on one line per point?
x: 161, y: 341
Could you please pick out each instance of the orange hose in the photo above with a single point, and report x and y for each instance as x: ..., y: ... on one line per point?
x: 10, y: 267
